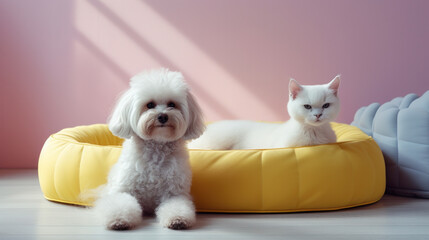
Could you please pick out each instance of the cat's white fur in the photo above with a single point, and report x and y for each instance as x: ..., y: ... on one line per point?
x: 307, y: 126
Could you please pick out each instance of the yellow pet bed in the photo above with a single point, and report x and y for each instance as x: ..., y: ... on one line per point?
x: 345, y: 174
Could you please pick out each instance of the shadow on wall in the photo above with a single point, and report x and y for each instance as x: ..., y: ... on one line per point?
x: 153, y: 52
x: 108, y: 62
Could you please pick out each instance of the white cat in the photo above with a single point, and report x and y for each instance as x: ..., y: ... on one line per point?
x: 311, y: 109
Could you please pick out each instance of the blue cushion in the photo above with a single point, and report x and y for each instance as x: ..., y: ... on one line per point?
x: 401, y: 129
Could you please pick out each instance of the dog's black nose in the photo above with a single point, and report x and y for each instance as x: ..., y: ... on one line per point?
x: 162, y: 118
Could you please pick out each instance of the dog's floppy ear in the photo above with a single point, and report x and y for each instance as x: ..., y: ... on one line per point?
x: 119, y: 121
x: 196, y: 125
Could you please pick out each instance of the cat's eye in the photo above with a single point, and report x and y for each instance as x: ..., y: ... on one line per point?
x: 326, y: 105
x: 151, y: 105
x: 171, y: 105
x: 307, y: 106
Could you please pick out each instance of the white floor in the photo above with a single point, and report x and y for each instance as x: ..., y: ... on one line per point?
x: 25, y: 214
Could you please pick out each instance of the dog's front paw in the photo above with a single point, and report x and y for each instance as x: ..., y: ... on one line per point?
x: 119, y: 211
x: 120, y: 225
x: 176, y: 213
x: 179, y: 223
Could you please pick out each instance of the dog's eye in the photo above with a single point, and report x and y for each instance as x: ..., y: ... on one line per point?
x: 307, y: 106
x: 171, y: 105
x: 326, y: 105
x: 151, y: 105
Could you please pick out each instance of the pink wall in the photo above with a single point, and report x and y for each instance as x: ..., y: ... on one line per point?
x: 63, y: 63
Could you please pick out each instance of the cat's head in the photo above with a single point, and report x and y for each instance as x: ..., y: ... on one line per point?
x: 314, y: 104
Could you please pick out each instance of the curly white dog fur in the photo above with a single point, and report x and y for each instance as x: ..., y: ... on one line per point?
x: 155, y: 116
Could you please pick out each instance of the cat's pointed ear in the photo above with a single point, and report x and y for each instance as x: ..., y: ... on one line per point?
x: 294, y: 88
x: 335, y: 84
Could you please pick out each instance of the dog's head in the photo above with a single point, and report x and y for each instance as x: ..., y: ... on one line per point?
x: 157, y: 106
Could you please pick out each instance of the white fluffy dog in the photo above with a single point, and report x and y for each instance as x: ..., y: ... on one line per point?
x: 155, y: 116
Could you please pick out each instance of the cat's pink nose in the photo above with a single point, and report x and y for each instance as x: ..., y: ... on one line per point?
x: 318, y: 115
